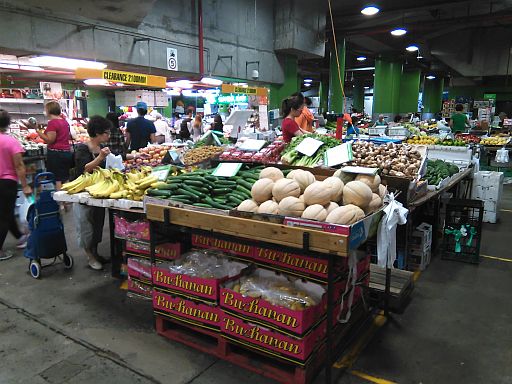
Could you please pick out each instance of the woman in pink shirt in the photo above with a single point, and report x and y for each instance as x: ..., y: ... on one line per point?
x: 59, y: 157
x: 12, y: 169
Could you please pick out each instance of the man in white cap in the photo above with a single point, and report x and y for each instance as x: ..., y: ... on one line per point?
x: 140, y: 131
x: 163, y: 133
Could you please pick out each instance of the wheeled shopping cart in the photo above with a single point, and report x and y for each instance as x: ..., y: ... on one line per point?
x: 46, y: 239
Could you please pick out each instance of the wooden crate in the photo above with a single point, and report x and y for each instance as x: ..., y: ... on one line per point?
x: 401, y: 287
x: 253, y: 230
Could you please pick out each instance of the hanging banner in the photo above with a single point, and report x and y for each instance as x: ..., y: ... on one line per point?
x: 131, y: 78
x: 229, y: 88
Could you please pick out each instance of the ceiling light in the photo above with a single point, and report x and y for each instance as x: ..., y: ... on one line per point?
x: 431, y: 77
x: 96, y: 82
x: 30, y: 68
x: 366, y: 87
x: 184, y: 84
x: 361, y: 69
x: 307, y: 84
x: 370, y: 10
x: 211, y: 81
x: 412, y: 48
x: 361, y: 58
x: 63, y: 62
x: 9, y: 66
x: 308, y: 80
x: 399, y: 31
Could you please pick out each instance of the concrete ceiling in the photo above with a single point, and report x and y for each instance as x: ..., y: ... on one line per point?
x: 129, y: 13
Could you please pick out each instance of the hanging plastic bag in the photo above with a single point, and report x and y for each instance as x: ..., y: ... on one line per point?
x: 26, y: 202
x: 502, y: 156
x: 114, y: 161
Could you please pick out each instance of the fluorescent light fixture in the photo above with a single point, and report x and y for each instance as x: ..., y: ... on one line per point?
x: 63, y: 62
x: 211, y: 81
x: 30, y: 68
x: 399, y: 31
x: 308, y: 80
x: 361, y: 69
x: 361, y: 58
x: 184, y: 84
x: 431, y: 77
x: 173, y: 92
x: 9, y: 66
x: 370, y: 10
x: 307, y: 84
x: 366, y: 87
x: 120, y: 84
x: 190, y: 93
x: 412, y: 48
x: 96, y: 82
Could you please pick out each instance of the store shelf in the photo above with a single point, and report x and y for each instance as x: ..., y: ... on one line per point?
x: 20, y: 101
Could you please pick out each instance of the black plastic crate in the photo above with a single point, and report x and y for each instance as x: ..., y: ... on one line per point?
x: 463, y: 230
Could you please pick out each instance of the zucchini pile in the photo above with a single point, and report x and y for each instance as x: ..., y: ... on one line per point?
x: 201, y: 189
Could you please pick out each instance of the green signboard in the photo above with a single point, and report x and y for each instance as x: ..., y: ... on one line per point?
x: 489, y: 96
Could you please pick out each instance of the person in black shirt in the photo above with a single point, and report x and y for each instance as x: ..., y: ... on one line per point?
x: 140, y: 131
x: 217, y: 125
x: 185, y: 126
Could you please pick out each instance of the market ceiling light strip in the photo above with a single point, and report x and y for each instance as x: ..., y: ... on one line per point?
x: 337, y: 56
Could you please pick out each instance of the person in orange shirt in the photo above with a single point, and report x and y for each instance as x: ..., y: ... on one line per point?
x: 305, y: 120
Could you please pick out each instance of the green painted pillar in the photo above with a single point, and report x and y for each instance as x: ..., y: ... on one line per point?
x: 386, y: 89
x: 291, y: 82
x: 358, y: 95
x: 97, y: 102
x: 409, y: 91
x: 324, y: 95
x: 336, y: 102
x: 433, y: 95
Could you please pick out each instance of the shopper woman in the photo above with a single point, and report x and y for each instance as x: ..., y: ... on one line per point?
x: 12, y: 169
x: 217, y: 125
x: 57, y: 134
x: 291, y: 108
x: 197, y: 127
x: 90, y: 220
x: 117, y: 142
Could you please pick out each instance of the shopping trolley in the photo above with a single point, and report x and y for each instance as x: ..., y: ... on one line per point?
x: 46, y: 239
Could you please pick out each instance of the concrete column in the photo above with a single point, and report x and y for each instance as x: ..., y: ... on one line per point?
x: 97, y: 102
x: 358, y: 95
x: 433, y: 95
x: 386, y: 91
x: 291, y: 82
x: 336, y: 102
x: 409, y: 91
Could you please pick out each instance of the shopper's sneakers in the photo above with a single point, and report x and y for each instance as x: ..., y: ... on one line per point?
x: 95, y: 264
x: 4, y: 255
x: 22, y: 242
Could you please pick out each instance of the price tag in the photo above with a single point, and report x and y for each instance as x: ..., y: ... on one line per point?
x: 338, y: 155
x: 309, y: 146
x: 174, y: 155
x: 362, y: 170
x: 161, y: 172
x: 227, y: 169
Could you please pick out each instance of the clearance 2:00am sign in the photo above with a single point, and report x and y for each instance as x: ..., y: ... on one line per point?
x: 125, y: 77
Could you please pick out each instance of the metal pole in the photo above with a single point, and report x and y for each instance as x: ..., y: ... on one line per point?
x: 200, y: 33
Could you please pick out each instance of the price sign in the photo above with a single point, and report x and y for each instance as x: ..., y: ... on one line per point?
x: 338, y: 155
x: 161, y: 172
x: 309, y: 146
x: 227, y: 169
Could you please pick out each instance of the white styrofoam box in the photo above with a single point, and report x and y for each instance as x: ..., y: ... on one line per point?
x: 426, y: 230
x: 488, y: 178
x: 419, y: 261
x: 492, y: 193
x: 491, y: 206
x: 451, y: 154
x: 490, y: 217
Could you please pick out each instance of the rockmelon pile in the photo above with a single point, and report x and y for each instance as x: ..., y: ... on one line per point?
x: 339, y: 199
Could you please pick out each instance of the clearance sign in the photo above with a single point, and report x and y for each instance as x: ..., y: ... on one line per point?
x: 114, y: 76
x: 229, y: 88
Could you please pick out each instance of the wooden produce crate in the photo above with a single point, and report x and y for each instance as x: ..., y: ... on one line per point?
x: 252, y: 230
x: 402, y: 285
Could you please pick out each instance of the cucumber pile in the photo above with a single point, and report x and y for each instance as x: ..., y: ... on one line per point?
x: 201, y: 189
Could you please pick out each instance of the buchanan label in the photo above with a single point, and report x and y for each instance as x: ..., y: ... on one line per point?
x: 223, y: 245
x: 184, y: 283
x: 125, y: 77
x: 253, y: 307
x: 185, y: 308
x: 317, y: 267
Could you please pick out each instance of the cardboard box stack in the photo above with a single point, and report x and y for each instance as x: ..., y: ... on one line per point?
x: 420, y: 249
x: 488, y: 187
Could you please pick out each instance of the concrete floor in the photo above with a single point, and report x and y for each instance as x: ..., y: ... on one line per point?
x: 79, y: 327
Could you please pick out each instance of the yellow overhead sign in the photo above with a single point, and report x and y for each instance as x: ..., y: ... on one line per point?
x: 229, y: 88
x: 114, y: 76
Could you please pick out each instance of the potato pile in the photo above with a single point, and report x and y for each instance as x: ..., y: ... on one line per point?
x: 197, y: 155
x: 339, y: 199
x: 400, y: 160
x: 280, y: 293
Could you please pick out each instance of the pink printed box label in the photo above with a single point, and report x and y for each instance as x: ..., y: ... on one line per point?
x: 134, y: 247
x: 223, y: 245
x: 190, y: 285
x: 295, y: 321
x: 303, y: 264
x: 186, y: 309
x: 139, y: 288
x: 131, y: 229
x: 169, y: 251
x: 277, y: 344
x: 139, y: 268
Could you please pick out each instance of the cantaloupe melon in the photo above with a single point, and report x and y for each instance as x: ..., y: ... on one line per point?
x: 357, y: 193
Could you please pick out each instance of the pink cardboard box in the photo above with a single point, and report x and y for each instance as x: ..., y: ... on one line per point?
x: 139, y: 268
x: 304, y: 265
x: 139, y: 288
x: 247, y: 251
x: 200, y: 314
x: 286, y: 347
x: 138, y: 230
x: 141, y: 248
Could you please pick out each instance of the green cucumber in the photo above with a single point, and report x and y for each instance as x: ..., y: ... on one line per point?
x: 202, y: 205
x: 192, y: 196
x: 244, y: 184
x: 239, y: 196
x: 243, y: 190
x: 194, y: 183
x: 198, y: 194
x: 216, y: 205
x: 158, y: 192
x: 222, y: 191
x: 211, y: 178
x: 235, y: 200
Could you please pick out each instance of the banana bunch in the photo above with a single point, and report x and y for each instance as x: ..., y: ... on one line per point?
x: 113, y: 184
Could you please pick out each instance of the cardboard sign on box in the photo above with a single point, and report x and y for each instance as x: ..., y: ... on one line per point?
x: 139, y: 268
x: 289, y: 348
x: 139, y: 288
x: 196, y: 313
x: 230, y: 247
